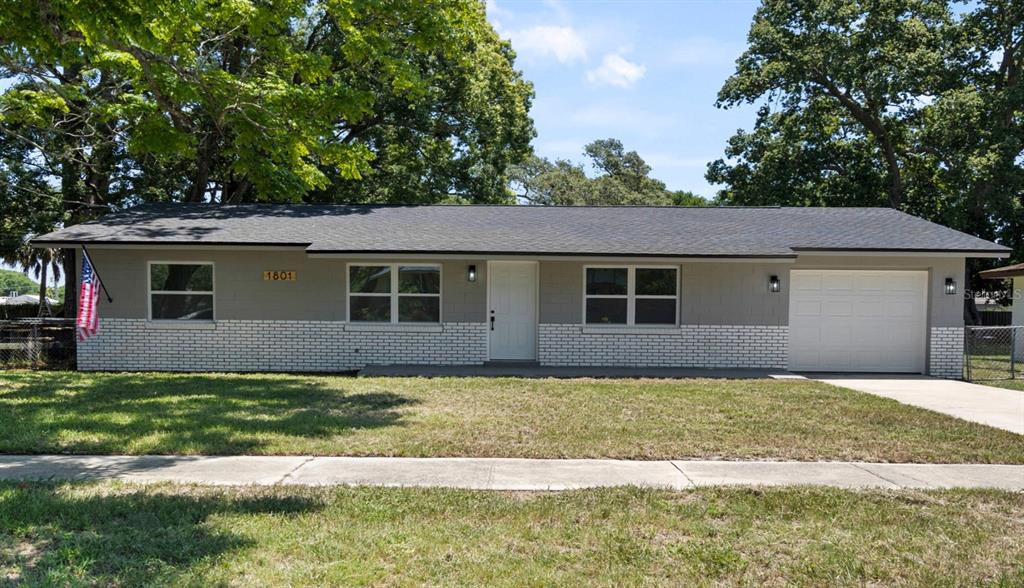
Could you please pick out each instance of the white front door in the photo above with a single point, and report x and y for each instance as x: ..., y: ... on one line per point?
x: 857, y: 321
x: 512, y: 316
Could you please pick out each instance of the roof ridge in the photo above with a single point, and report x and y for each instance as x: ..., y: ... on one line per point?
x: 522, y: 206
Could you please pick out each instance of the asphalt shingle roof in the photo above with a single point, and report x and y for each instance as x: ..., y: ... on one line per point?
x: 626, y: 231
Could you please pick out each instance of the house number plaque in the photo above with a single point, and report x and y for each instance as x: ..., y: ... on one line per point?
x: 279, y: 276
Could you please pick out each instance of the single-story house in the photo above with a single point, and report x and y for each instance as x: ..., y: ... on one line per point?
x: 1014, y: 273
x: 336, y: 288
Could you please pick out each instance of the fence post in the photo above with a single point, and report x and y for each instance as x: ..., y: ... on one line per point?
x: 967, y: 352
x: 1013, y: 353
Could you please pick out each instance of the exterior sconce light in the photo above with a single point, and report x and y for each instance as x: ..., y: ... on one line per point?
x: 774, y: 285
x: 471, y: 273
x: 950, y: 286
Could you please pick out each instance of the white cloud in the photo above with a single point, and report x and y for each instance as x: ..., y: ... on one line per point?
x: 704, y: 51
x: 562, y: 43
x: 616, y: 70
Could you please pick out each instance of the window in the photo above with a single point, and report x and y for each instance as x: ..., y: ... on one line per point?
x: 630, y: 295
x: 181, y: 291
x: 394, y: 293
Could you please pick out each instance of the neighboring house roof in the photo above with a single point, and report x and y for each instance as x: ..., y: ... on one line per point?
x: 999, y: 273
x: 24, y: 299
x: 534, y: 230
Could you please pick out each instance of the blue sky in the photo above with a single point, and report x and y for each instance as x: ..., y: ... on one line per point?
x: 645, y: 72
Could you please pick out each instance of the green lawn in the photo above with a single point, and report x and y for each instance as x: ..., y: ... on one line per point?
x: 1017, y: 384
x: 49, y: 412
x: 112, y: 534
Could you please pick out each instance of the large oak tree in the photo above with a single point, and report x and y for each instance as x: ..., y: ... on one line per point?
x: 114, y: 102
x: 913, y: 104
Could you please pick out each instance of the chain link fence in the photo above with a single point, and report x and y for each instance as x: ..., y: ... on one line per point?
x: 37, y: 343
x: 993, y: 353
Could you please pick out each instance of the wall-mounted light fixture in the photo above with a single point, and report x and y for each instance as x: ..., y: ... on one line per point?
x: 471, y: 273
x: 774, y: 284
x: 950, y: 286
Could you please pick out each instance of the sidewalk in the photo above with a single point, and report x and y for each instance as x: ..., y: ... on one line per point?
x: 503, y: 474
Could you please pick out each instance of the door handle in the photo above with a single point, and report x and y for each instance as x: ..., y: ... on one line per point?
x: 492, y: 322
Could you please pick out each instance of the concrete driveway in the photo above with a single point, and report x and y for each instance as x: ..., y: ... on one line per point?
x: 995, y: 407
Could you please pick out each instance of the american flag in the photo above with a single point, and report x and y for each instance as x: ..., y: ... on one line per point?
x: 88, y: 319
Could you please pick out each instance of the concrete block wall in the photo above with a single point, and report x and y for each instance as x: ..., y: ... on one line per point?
x: 704, y: 346
x: 946, y: 353
x: 288, y: 346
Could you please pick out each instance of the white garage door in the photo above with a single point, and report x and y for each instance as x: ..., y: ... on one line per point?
x: 863, y: 321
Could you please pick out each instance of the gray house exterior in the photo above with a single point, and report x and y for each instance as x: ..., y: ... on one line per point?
x: 337, y: 288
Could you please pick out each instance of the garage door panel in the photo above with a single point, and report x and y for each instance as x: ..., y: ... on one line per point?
x: 903, y: 339
x: 871, y: 284
x: 857, y: 320
x: 807, y: 308
x: 869, y: 358
x: 837, y: 283
x: 836, y: 308
x: 904, y: 284
x: 808, y: 284
x: 863, y: 331
x: 807, y: 337
x: 840, y: 359
x: 837, y: 336
x: 868, y: 309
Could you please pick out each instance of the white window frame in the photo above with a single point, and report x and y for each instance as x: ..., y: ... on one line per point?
x: 394, y: 295
x: 630, y: 296
x: 150, y: 291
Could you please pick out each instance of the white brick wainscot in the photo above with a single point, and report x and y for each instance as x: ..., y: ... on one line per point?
x: 946, y: 353
x: 710, y: 346
x: 286, y: 346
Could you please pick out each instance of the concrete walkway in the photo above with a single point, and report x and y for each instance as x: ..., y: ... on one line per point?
x: 995, y: 407
x: 503, y: 474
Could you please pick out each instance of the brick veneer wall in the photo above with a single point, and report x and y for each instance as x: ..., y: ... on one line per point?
x: 946, y: 353
x: 331, y: 346
x: 703, y: 346
x: 289, y: 346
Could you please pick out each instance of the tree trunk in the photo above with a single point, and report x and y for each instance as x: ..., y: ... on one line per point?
x: 73, y: 195
x: 44, y: 308
x: 70, y: 284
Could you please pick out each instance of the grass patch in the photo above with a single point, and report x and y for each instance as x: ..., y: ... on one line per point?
x: 112, y: 534
x: 53, y: 412
x: 1017, y: 384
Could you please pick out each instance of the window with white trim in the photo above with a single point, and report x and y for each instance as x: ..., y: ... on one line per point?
x: 394, y: 293
x: 630, y: 295
x: 181, y: 291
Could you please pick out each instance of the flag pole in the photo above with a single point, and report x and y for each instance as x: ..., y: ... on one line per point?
x: 102, y: 285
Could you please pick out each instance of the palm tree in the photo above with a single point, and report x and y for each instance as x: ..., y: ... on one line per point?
x: 39, y: 262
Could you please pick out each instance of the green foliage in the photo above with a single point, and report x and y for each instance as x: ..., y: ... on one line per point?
x: 622, y: 178
x: 901, y: 103
x: 110, y: 103
x: 271, y: 100
x: 12, y: 281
